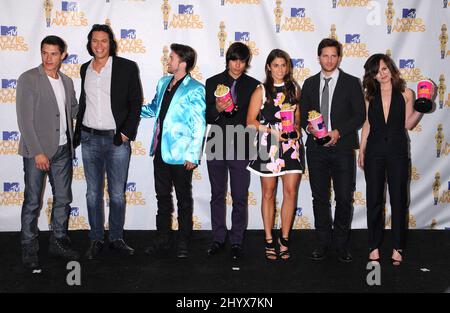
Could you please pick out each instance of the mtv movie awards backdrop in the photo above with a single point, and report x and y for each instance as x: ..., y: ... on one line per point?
x: 414, y: 33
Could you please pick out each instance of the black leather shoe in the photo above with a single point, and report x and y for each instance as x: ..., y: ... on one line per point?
x: 236, y: 252
x: 319, y: 254
x: 215, y: 248
x: 61, y: 248
x: 30, y: 258
x: 94, y: 249
x: 159, y: 245
x: 344, y: 255
x: 120, y: 246
x: 182, y: 250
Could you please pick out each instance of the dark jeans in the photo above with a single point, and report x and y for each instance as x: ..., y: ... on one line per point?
x: 100, y: 155
x: 396, y: 171
x: 326, y: 164
x: 60, y: 177
x: 239, y: 182
x: 166, y: 177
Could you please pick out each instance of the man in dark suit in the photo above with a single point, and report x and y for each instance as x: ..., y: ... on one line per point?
x: 339, y: 98
x: 110, y: 106
x: 46, y: 105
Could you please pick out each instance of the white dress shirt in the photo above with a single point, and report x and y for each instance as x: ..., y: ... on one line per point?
x: 331, y: 87
x: 97, y: 86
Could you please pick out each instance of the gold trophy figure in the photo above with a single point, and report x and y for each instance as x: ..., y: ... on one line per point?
x: 278, y: 11
x: 443, y: 38
x: 389, y: 53
x: 48, y: 6
x: 439, y: 140
x: 389, y: 15
x: 165, y: 9
x: 222, y: 35
x: 333, y: 34
x: 165, y: 60
x: 441, y: 90
x: 436, y: 186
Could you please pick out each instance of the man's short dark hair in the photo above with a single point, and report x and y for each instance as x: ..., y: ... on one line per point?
x: 329, y: 42
x: 55, y: 41
x: 102, y: 28
x: 186, y: 54
x: 238, y: 51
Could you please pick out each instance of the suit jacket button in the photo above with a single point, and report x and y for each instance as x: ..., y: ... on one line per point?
x: 57, y: 115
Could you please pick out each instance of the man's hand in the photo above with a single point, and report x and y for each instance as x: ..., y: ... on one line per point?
x: 311, y: 130
x: 42, y: 162
x: 124, y: 138
x: 189, y: 166
x: 222, y: 105
x: 334, y: 135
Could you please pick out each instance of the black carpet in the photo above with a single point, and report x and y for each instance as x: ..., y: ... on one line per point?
x: 426, y: 267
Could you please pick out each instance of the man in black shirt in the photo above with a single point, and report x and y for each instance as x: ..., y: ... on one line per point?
x: 229, y: 152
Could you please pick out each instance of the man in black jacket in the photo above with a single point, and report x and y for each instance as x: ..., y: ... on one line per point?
x: 227, y: 148
x: 108, y: 118
x: 338, y: 96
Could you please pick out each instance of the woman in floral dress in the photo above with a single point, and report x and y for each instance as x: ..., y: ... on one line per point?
x: 279, y: 154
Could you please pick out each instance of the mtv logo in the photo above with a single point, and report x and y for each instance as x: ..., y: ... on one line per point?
x: 9, y: 83
x: 8, y: 30
x: 71, y: 59
x: 242, y: 36
x: 11, y: 187
x: 69, y: 6
x: 131, y: 186
x: 407, y: 63
x: 185, y: 9
x: 11, y: 135
x: 299, y: 211
x: 74, y: 211
x: 75, y: 162
x: 128, y: 33
x: 298, y: 63
x: 352, y: 38
x: 297, y: 12
x: 409, y: 13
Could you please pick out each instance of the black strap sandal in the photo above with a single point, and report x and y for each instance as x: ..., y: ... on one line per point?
x: 397, y: 262
x: 284, y: 254
x: 271, y: 253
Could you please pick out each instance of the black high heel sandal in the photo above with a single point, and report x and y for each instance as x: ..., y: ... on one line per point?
x: 284, y: 254
x: 271, y: 253
x: 397, y: 262
x: 374, y: 260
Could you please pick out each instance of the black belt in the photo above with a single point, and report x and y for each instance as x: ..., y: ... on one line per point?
x: 98, y: 132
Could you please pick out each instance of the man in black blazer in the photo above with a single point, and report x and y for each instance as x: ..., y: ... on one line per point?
x: 108, y: 118
x: 339, y: 97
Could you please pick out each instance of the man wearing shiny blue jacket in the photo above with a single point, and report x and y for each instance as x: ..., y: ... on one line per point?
x: 179, y: 108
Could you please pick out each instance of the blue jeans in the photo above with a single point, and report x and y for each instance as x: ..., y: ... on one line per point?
x: 60, y: 176
x: 101, y: 156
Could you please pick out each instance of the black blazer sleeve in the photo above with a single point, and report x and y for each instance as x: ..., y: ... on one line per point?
x: 356, y: 117
x: 134, y: 102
